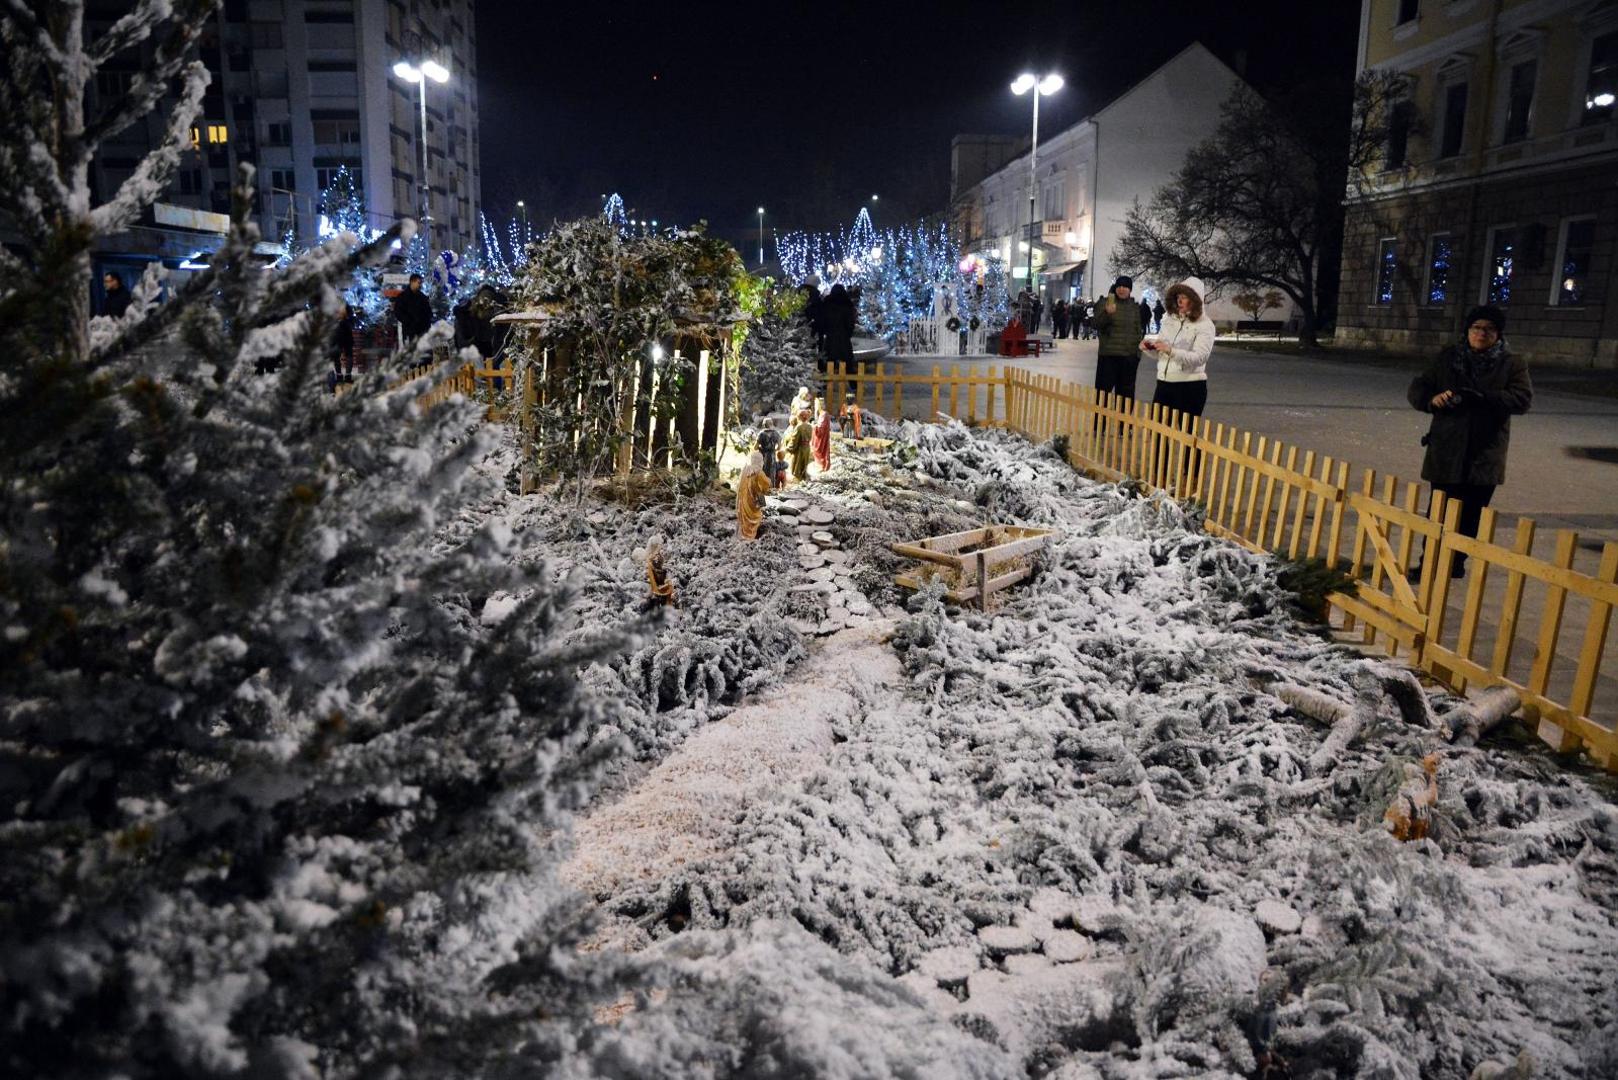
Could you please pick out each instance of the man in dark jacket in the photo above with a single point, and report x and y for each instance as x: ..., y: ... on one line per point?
x: 117, y: 298
x: 414, y: 312
x: 1157, y: 314
x: 1472, y: 389
x: 1145, y: 317
x: 1118, y: 358
x: 838, y: 314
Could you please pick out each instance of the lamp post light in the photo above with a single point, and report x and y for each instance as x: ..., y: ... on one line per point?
x: 761, y: 236
x: 1050, y: 84
x: 524, y: 208
x: 419, y: 74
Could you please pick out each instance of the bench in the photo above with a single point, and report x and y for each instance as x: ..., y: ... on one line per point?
x: 1259, y: 326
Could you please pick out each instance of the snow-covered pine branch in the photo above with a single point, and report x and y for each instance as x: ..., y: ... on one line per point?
x: 146, y: 184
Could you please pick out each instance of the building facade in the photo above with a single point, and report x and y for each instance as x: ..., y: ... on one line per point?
x: 302, y: 88
x: 1089, y: 176
x: 1499, y: 183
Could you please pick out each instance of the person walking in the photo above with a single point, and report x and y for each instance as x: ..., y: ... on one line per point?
x: 838, y: 315
x: 1145, y: 317
x: 1118, y: 356
x: 814, y: 315
x: 1182, y: 350
x: 1157, y: 316
x: 116, y: 302
x: 1472, y: 389
x: 1059, y: 318
x: 413, y: 311
x: 1039, y: 311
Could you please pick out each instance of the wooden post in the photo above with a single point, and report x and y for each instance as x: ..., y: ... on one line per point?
x: 1595, y: 637
x: 1550, y: 621
x: 955, y: 391
x: 988, y: 410
x: 1511, y: 605
x: 1473, y: 608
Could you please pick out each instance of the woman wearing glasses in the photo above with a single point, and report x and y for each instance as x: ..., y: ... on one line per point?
x: 1472, y: 389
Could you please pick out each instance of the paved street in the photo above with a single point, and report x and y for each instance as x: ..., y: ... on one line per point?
x: 1357, y: 411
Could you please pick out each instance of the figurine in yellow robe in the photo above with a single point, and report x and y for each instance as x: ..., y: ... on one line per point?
x: 751, y: 487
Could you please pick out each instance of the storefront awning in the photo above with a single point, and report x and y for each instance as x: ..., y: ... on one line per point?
x: 1062, y: 268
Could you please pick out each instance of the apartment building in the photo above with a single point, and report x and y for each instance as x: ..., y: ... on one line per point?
x: 1499, y: 182
x: 302, y: 88
x: 1089, y: 176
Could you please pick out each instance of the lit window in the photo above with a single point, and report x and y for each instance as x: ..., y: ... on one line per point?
x: 1439, y: 259
x: 1601, y: 87
x: 217, y: 134
x: 1573, y: 259
x: 1387, y: 261
x: 1502, y: 264
x: 196, y: 138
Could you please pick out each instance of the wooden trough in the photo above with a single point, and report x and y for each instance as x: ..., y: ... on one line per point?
x: 969, y: 560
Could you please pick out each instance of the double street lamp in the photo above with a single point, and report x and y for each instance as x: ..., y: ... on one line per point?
x: 419, y: 73
x: 1041, y: 87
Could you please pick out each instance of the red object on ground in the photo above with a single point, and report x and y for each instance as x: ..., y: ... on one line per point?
x: 1014, y: 339
x: 820, y: 443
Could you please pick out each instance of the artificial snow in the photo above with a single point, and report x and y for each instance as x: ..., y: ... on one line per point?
x: 1067, y: 824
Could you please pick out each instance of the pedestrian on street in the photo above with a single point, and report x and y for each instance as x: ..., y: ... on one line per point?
x: 342, y: 349
x: 1039, y: 311
x: 814, y: 315
x: 1145, y: 317
x: 116, y: 302
x: 838, y: 315
x: 1059, y: 319
x: 1182, y: 350
x: 413, y: 311
x: 1118, y: 356
x: 1472, y: 389
x: 1157, y: 316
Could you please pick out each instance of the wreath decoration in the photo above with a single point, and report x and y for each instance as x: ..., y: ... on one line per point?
x: 976, y: 322
x: 952, y: 324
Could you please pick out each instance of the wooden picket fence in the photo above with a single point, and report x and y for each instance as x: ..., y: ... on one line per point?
x: 1275, y: 498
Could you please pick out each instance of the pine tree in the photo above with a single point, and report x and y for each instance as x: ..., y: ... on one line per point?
x: 778, y: 354
x: 274, y: 799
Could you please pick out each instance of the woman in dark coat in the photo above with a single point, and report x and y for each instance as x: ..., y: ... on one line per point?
x: 1472, y: 389
x: 837, y: 312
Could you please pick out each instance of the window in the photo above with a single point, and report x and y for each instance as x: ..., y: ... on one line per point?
x: 218, y: 135
x: 1440, y: 257
x: 332, y: 65
x: 1409, y: 10
x: 1502, y: 264
x: 1519, y: 100
x: 337, y: 132
x: 190, y: 182
x: 1399, y: 123
x: 1053, y: 200
x: 1573, y: 253
x: 278, y: 134
x: 1601, y: 87
x: 1450, y: 142
x: 1387, y: 261
x: 112, y: 85
x: 328, y: 16
x: 325, y: 174
x: 284, y: 179
x: 265, y: 35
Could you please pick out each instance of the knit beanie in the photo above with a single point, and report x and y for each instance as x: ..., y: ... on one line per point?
x: 1125, y: 280
x: 1487, y: 313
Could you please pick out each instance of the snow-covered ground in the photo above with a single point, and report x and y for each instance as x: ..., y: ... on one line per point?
x: 1079, y: 835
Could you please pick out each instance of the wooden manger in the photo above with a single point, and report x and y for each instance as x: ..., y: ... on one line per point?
x: 968, y: 561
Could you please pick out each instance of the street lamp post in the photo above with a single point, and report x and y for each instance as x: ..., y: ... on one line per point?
x: 419, y: 74
x: 1050, y: 84
x: 761, y: 236
x: 524, y: 208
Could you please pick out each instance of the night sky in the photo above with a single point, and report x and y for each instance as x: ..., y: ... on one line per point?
x: 709, y: 111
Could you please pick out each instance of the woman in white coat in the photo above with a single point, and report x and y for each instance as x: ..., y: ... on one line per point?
x: 1182, y: 348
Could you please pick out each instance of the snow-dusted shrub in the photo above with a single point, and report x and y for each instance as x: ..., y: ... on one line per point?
x: 274, y: 800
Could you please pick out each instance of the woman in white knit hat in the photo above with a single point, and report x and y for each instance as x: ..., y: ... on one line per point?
x: 1182, y: 347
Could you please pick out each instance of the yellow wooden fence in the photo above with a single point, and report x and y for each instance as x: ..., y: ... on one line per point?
x: 1271, y: 497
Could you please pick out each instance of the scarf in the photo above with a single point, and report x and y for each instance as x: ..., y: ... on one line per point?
x: 1469, y: 365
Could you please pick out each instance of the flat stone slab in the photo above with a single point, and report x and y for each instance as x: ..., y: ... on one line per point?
x: 1006, y: 940
x: 817, y: 515
x: 1067, y: 947
x: 823, y: 538
x: 822, y: 573
x: 1094, y: 914
x: 949, y: 966
x: 1275, y: 916
x: 1026, y: 964
x: 835, y: 555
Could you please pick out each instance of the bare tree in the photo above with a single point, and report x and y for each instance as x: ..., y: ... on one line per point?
x: 1260, y: 203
